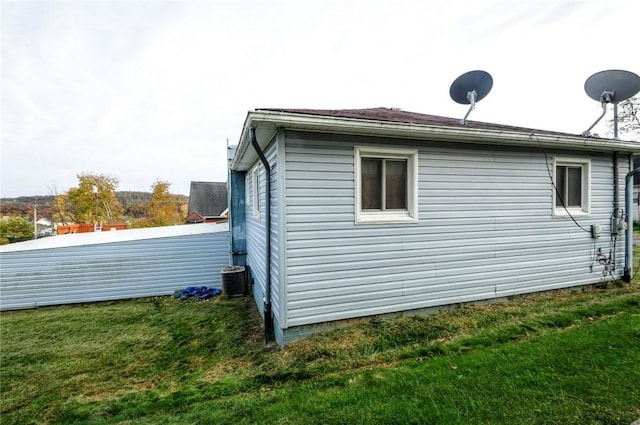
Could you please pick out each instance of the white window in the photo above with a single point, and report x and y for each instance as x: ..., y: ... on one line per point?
x: 256, y: 192
x: 571, y: 178
x: 386, y: 181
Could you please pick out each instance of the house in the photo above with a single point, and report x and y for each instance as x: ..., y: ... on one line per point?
x: 45, y: 227
x: 207, y: 202
x: 345, y: 214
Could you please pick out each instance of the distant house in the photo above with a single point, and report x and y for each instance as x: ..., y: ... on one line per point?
x: 45, y: 227
x: 344, y: 214
x: 207, y: 202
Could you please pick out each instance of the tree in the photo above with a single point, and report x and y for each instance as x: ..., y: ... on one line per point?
x: 163, y: 208
x: 94, y: 200
x: 59, y: 204
x: 628, y: 118
x: 15, y: 229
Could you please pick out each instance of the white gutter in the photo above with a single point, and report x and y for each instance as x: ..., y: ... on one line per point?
x: 353, y: 126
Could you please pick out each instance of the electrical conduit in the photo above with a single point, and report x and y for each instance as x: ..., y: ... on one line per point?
x: 628, y: 251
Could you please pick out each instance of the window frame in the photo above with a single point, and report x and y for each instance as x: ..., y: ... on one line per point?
x: 585, y: 208
x: 255, y: 190
x: 408, y: 215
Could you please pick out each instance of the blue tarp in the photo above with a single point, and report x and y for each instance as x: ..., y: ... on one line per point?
x: 201, y: 292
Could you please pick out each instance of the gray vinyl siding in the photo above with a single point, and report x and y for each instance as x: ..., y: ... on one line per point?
x: 256, y: 253
x: 92, y: 271
x: 256, y: 246
x: 272, y: 157
x: 485, y: 230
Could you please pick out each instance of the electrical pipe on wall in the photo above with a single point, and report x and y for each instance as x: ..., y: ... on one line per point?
x: 628, y: 251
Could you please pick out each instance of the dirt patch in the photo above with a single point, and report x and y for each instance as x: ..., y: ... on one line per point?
x: 98, y: 394
x: 224, y: 369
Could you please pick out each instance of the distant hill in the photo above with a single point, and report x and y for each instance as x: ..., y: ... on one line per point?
x: 132, y: 202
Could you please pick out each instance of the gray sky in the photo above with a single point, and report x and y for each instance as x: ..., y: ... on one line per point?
x: 148, y: 90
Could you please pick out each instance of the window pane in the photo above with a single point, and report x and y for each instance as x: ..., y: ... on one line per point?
x: 256, y: 192
x: 574, y: 189
x: 561, y: 176
x: 396, y: 184
x: 371, y: 184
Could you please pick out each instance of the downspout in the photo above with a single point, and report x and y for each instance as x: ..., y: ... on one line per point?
x: 614, y: 223
x: 628, y: 251
x: 615, y: 188
x: 268, y: 320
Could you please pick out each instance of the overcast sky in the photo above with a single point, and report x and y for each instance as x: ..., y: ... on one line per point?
x: 147, y: 90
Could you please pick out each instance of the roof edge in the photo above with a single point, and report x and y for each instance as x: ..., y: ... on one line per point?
x: 403, y: 130
x: 100, y: 238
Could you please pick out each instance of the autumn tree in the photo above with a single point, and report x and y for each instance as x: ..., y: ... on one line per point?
x: 15, y: 229
x: 60, y: 202
x: 59, y: 205
x: 163, y: 208
x: 94, y: 199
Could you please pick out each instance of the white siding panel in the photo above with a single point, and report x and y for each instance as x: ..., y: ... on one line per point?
x: 312, y: 185
x: 485, y: 230
x: 272, y: 157
x: 98, y: 271
x: 319, y: 192
x: 319, y: 175
x: 256, y: 251
x: 256, y: 244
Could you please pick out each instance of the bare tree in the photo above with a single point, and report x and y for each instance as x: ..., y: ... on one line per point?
x: 628, y: 119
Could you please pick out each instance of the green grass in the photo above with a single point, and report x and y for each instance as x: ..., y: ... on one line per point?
x: 568, y: 357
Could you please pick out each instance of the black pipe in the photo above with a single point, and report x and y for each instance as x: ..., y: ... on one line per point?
x: 628, y: 240
x: 268, y: 319
x: 615, y: 189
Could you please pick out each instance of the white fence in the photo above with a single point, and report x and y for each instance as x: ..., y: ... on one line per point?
x: 114, y: 265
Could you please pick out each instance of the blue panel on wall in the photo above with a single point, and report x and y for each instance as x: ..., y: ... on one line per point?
x: 237, y: 215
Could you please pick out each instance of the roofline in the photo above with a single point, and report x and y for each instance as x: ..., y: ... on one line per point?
x: 128, y: 235
x: 270, y: 121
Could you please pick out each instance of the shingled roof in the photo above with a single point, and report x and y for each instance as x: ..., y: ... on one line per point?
x: 398, y: 124
x: 209, y: 199
x: 400, y: 116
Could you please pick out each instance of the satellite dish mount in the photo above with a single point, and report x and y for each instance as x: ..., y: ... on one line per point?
x: 611, y: 86
x: 471, y: 96
x: 606, y: 98
x: 470, y: 88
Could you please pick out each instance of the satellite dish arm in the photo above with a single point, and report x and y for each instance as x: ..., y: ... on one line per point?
x: 587, y: 133
x: 471, y: 96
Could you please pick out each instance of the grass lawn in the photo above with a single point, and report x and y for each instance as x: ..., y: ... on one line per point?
x: 569, y: 358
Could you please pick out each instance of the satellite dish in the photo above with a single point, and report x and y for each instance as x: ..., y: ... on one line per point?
x: 469, y: 88
x: 611, y: 86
